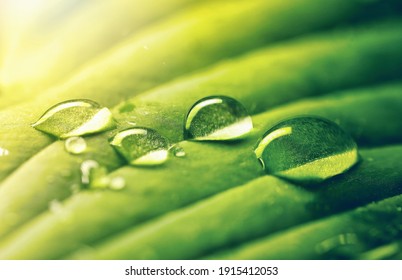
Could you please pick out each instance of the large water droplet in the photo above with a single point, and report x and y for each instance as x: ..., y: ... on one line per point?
x: 75, y: 145
x: 75, y: 118
x: 217, y: 118
x: 306, y: 149
x: 141, y: 146
x: 4, y: 152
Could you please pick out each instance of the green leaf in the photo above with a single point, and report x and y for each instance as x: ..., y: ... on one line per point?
x: 164, y: 108
x: 349, y: 74
x: 372, y: 225
x: 262, y: 206
x: 152, y: 192
x: 115, y: 76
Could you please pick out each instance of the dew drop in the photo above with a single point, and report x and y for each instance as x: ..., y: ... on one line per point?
x: 75, y: 118
x: 341, y: 246
x: 93, y: 175
x: 306, y: 150
x: 4, y: 152
x: 75, y: 145
x: 177, y: 151
x: 217, y: 118
x: 141, y: 146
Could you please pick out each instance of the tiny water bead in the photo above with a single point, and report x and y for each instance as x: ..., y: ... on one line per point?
x: 306, y: 150
x: 217, y: 118
x: 177, y: 151
x: 95, y: 176
x: 75, y: 145
x: 141, y: 146
x: 75, y: 118
x: 342, y: 246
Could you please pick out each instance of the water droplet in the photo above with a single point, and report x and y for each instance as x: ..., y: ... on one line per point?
x: 4, y: 152
x: 93, y: 175
x: 75, y: 118
x: 340, y: 246
x: 75, y: 145
x: 117, y: 183
x: 217, y: 118
x: 177, y: 151
x: 306, y: 149
x: 141, y: 146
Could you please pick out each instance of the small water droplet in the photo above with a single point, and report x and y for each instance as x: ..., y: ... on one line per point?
x: 141, y: 146
x: 177, y: 151
x: 93, y: 175
x: 342, y: 245
x: 217, y: 118
x: 75, y: 118
x: 75, y: 145
x: 117, y: 183
x: 86, y: 168
x: 4, y: 152
x: 306, y: 149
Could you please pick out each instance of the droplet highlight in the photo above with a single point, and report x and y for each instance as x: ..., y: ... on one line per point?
x: 217, y: 118
x: 342, y: 246
x: 177, y: 151
x: 306, y: 150
x: 94, y: 175
x: 75, y: 118
x: 141, y: 146
x: 75, y: 145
